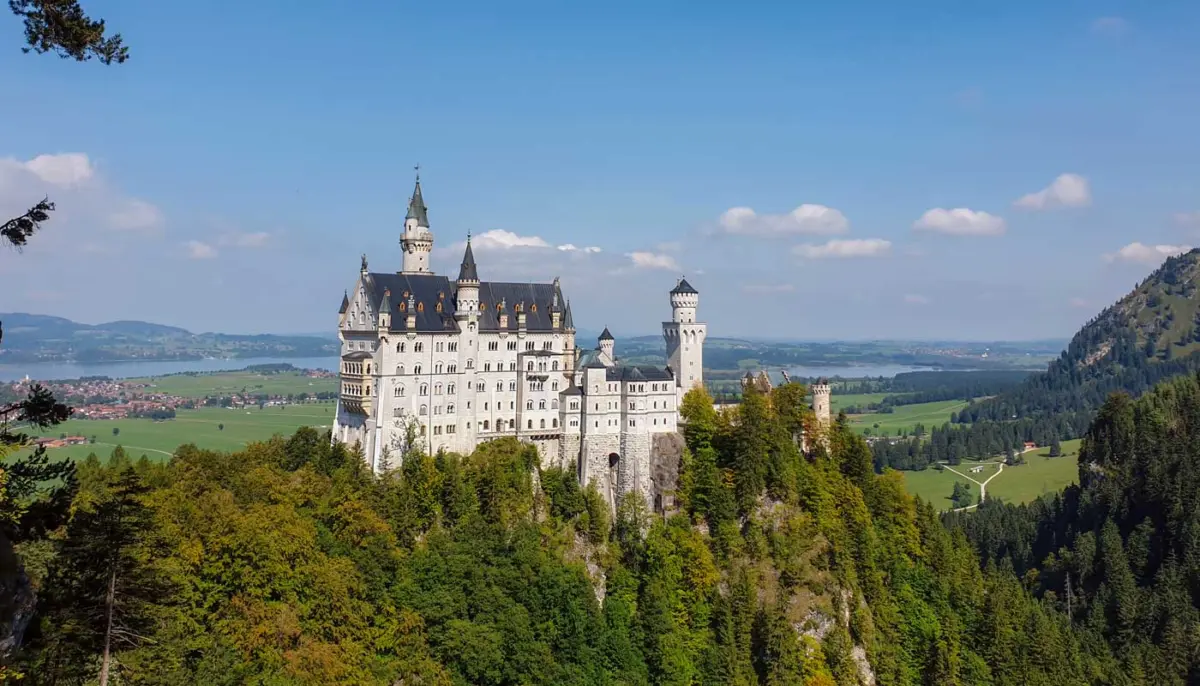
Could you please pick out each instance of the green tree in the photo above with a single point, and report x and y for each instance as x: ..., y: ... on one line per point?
x: 1055, y: 447
x: 962, y: 495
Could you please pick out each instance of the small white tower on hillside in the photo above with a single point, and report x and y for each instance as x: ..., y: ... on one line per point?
x: 417, y: 240
x: 820, y: 391
x: 685, y: 338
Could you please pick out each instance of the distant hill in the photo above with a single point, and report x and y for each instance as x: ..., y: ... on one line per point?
x: 42, y: 338
x: 1150, y: 334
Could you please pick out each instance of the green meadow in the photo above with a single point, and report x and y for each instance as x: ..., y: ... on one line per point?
x: 1040, y: 475
x: 226, y: 383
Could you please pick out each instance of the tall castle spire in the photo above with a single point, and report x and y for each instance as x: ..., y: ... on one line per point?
x: 417, y: 240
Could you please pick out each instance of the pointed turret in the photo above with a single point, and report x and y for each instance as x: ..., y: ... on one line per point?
x: 606, y: 335
x: 568, y: 320
x: 416, y: 206
x: 468, y: 271
x: 345, y: 303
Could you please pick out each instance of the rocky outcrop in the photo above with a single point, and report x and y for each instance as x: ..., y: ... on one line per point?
x: 17, y: 599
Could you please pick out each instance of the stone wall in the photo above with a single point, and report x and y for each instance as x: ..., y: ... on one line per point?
x: 596, y: 449
x: 666, y: 454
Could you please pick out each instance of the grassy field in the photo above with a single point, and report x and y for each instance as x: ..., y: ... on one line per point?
x: 225, y: 383
x: 1039, y: 475
x: 906, y: 416
x: 157, y: 440
x: 837, y: 402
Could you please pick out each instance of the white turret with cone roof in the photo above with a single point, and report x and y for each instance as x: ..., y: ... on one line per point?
x: 684, y: 337
x: 417, y: 240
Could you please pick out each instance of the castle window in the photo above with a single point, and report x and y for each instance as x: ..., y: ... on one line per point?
x: 479, y: 387
x: 437, y: 409
x: 512, y: 405
x: 548, y: 345
x: 554, y: 404
x: 437, y: 430
x: 424, y: 410
x: 541, y: 366
x: 529, y: 345
x: 529, y: 366
x: 399, y: 370
x: 450, y: 389
x: 438, y: 307
x: 400, y: 347
x: 424, y: 389
x: 528, y: 404
x: 512, y: 385
x: 422, y: 429
x: 470, y: 364
x: 487, y: 366
x: 656, y: 404
x: 485, y: 425
x: 554, y: 366
x: 554, y: 423
x: 493, y: 345
x: 574, y: 405
x: 499, y: 386
x: 420, y: 307
x: 437, y: 368
x: 529, y: 424
x: 632, y: 423
x: 453, y: 346
x: 482, y: 307
x: 542, y: 424
x: 451, y: 368
x: 450, y: 408
x: 417, y: 369
x: 418, y: 347
x: 450, y: 428
x: 512, y: 366
x: 437, y: 389
x: 437, y: 347
x: 399, y: 391
x: 554, y: 385
x: 633, y: 406
x: 541, y: 404
x: 512, y: 345
x: 533, y: 307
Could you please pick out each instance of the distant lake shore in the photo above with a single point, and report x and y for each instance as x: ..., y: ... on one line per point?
x: 50, y: 371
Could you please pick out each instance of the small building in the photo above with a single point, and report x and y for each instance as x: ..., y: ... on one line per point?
x: 1030, y: 445
x: 976, y: 470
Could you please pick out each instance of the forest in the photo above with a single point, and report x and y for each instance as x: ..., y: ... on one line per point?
x: 288, y: 562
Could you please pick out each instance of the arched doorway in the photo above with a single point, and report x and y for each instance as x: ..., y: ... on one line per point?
x: 614, y: 469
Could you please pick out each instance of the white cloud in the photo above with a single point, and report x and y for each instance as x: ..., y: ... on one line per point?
x: 768, y: 288
x: 1189, y: 219
x: 842, y: 248
x: 499, y: 239
x: 135, y: 215
x: 805, y: 219
x: 1078, y: 302
x: 200, y: 251
x: 1110, y: 26
x: 960, y: 221
x: 915, y: 299
x: 649, y: 260
x: 571, y: 247
x: 256, y: 239
x: 1146, y: 254
x: 1068, y: 190
x: 66, y: 169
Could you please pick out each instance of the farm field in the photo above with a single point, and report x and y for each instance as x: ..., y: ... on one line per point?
x: 1041, y: 474
x: 837, y: 402
x: 158, y: 440
x: 905, y: 417
x: 225, y: 383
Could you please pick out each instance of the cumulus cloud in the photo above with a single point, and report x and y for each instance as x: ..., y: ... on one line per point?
x: 1146, y: 254
x: 650, y: 260
x: 805, y: 219
x: 499, y: 239
x: 768, y: 288
x: 915, y: 299
x: 65, y: 169
x: 1110, y: 26
x: 1068, y: 190
x: 844, y: 248
x: 960, y: 221
x: 135, y: 215
x: 200, y: 251
x: 571, y: 247
x: 256, y: 239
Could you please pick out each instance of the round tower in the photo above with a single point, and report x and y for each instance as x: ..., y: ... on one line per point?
x: 417, y: 240
x: 607, y: 343
x: 684, y: 301
x: 820, y: 391
x: 684, y: 337
x: 468, y: 285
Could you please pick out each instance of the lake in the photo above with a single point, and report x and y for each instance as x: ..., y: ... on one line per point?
x: 46, y: 371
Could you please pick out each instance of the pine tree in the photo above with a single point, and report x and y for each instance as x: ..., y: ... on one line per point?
x: 1055, y: 448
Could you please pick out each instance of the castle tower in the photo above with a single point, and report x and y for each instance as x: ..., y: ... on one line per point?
x: 820, y: 391
x: 417, y: 240
x: 607, y: 343
x: 468, y: 286
x: 466, y: 314
x: 685, y: 338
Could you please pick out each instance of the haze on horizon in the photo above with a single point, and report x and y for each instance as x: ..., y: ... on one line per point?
x: 857, y: 171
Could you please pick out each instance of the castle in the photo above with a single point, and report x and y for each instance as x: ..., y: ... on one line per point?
x: 455, y: 363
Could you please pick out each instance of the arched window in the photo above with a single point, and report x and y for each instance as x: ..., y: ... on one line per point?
x: 450, y: 389
x: 529, y: 424
x: 554, y: 385
x: 554, y: 366
x: 485, y: 425
x: 424, y: 409
x: 418, y: 347
x: 554, y: 423
x: 543, y: 424
x: 437, y: 389
x: 541, y: 404
x: 529, y: 366
x: 451, y: 368
x: 528, y: 404
x: 424, y: 389
x: 400, y: 347
x: 417, y: 369
x: 479, y: 387
x: 399, y: 370
x: 450, y: 408
x: 554, y: 404
x: 437, y: 368
x: 512, y: 385
x: 399, y: 391
x: 470, y: 364
x: 499, y: 386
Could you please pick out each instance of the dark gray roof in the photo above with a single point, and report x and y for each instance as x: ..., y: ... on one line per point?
x: 428, y: 290
x: 385, y: 305
x: 345, y: 303
x: 637, y: 373
x: 568, y: 320
x: 468, y: 270
x: 573, y: 390
x: 416, y: 207
x: 357, y: 355
x: 606, y: 335
x: 684, y: 287
x: 823, y: 381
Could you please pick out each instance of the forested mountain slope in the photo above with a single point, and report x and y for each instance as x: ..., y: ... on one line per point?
x: 1151, y: 334
x: 1120, y: 551
x: 289, y: 563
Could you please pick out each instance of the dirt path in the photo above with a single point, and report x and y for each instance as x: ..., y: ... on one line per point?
x: 134, y: 447
x: 982, y: 484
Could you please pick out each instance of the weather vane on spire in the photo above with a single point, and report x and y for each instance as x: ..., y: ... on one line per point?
x: 417, y: 169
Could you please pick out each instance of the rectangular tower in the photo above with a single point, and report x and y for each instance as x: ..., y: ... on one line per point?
x: 685, y: 338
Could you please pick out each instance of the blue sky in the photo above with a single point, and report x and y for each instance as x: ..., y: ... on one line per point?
x: 913, y: 170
